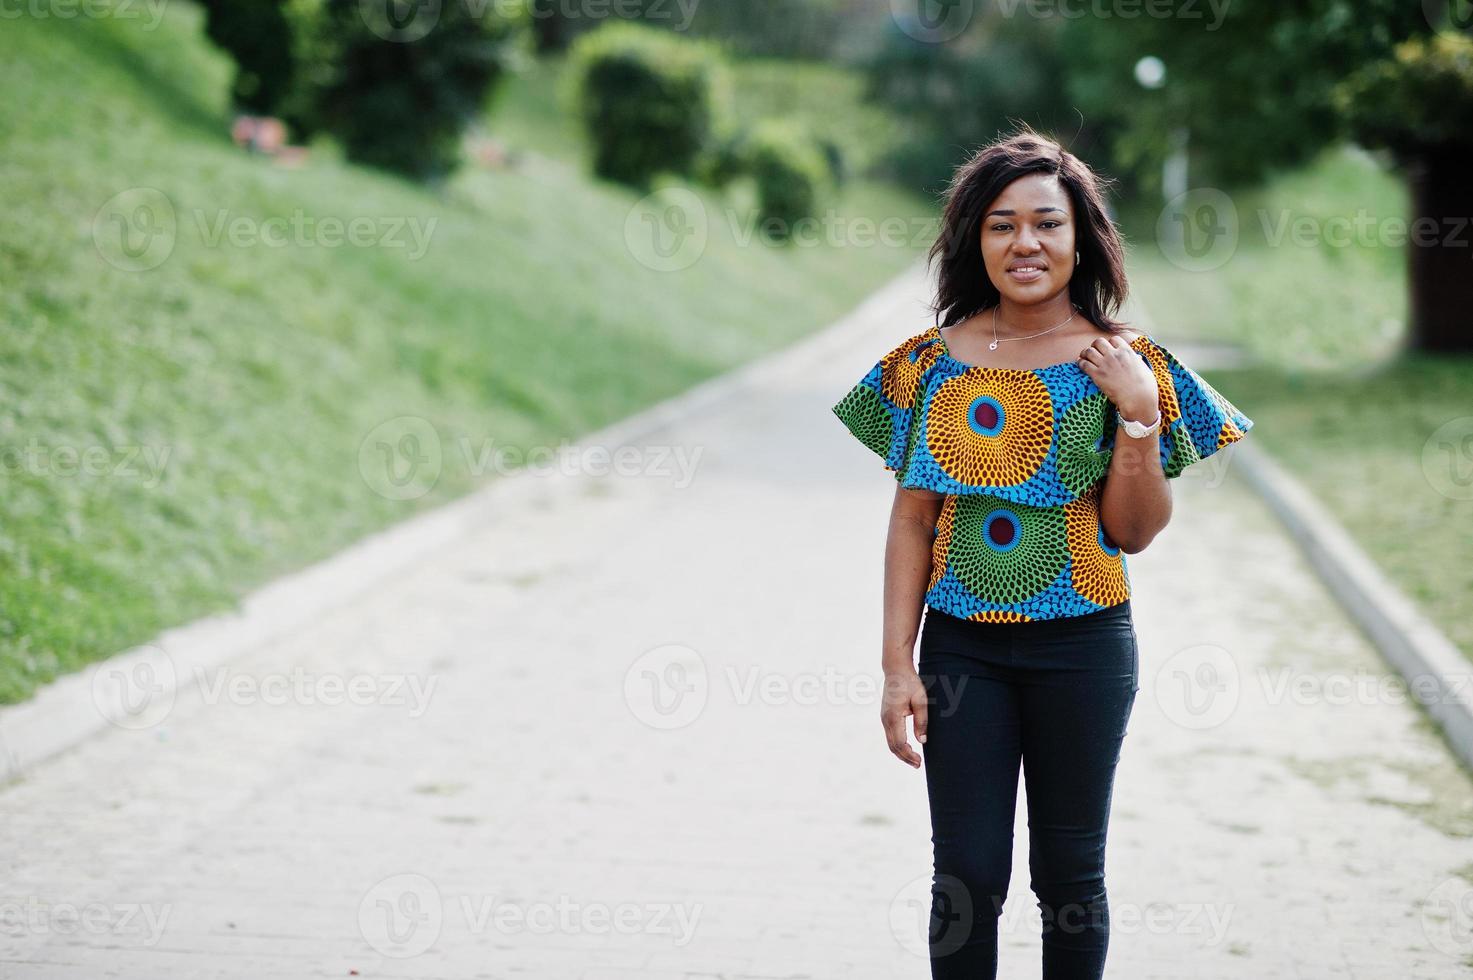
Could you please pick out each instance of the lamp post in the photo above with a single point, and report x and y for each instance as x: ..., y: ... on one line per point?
x: 1150, y: 73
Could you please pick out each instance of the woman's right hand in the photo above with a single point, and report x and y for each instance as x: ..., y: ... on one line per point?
x: 905, y: 695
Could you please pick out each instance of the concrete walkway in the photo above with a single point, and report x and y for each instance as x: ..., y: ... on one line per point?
x: 632, y: 732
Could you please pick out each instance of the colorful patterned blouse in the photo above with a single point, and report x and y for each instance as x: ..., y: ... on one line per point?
x: 1020, y: 455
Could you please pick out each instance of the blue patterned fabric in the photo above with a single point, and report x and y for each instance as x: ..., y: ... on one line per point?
x: 1020, y: 456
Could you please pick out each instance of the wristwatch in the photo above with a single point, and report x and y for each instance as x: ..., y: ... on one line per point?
x: 1138, y: 430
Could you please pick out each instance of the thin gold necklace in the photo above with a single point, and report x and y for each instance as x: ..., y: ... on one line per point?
x: 996, y: 341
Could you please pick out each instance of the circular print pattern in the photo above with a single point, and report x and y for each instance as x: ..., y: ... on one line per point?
x: 988, y: 429
x: 1081, y: 460
x: 901, y: 369
x: 1005, y: 553
x: 941, y: 548
x: 1098, y: 564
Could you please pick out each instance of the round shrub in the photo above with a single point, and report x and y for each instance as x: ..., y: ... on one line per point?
x: 258, y: 37
x: 397, y: 92
x: 790, y: 172
x: 649, y: 99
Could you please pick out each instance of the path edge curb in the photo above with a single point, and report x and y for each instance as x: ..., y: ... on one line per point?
x: 1435, y: 669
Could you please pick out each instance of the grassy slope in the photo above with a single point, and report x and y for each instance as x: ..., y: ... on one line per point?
x: 1335, y: 399
x: 259, y: 371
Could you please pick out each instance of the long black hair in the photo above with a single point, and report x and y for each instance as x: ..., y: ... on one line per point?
x: 963, y: 289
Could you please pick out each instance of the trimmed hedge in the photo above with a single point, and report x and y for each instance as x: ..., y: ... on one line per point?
x: 650, y: 100
x: 791, y: 173
x: 399, y: 98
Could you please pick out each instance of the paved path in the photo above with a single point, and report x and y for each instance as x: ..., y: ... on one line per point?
x: 645, y: 745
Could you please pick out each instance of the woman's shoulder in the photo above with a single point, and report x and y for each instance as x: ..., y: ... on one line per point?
x: 927, y: 340
x: 914, y: 356
x: 1131, y: 335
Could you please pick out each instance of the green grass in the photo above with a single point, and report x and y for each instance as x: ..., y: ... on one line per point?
x: 251, y: 375
x: 1301, y: 301
x: 1335, y: 396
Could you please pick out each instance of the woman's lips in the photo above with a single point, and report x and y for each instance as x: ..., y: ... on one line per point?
x: 1026, y: 274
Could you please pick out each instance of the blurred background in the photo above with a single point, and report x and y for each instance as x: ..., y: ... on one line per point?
x: 279, y: 275
x: 237, y: 236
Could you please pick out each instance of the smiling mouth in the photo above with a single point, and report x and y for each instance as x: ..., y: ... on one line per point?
x: 1026, y: 271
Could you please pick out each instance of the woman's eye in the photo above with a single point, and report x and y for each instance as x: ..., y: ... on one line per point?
x: 1050, y: 225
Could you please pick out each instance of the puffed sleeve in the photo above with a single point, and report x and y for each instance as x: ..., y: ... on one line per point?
x: 1196, y: 420
x: 881, y: 409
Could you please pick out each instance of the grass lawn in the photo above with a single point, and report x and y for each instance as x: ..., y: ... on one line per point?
x: 179, y: 432
x: 1335, y: 396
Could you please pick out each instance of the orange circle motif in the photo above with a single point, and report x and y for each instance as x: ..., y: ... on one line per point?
x: 990, y: 429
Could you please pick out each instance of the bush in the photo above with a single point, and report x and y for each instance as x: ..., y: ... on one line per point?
x: 723, y: 160
x: 790, y: 171
x: 258, y: 37
x: 398, y: 94
x: 649, y: 99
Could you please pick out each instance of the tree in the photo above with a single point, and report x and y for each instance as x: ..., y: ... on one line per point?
x: 952, y: 96
x: 1269, y: 86
x: 258, y: 37
x: 1419, y: 105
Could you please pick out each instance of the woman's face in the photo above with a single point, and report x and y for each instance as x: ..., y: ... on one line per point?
x: 1028, y: 239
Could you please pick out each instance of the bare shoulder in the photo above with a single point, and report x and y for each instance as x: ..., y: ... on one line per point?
x: 1130, y: 334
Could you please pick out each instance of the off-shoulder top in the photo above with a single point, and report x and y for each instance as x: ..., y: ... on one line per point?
x: 1020, y: 455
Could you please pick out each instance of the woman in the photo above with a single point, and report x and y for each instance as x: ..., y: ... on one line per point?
x: 1032, y: 436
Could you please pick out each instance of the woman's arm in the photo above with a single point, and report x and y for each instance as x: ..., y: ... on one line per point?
x: 1136, y: 501
x: 912, y: 532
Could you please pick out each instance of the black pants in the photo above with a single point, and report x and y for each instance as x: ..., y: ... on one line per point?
x: 1054, y: 695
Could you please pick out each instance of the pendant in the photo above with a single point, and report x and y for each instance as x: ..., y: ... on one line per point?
x: 992, y: 346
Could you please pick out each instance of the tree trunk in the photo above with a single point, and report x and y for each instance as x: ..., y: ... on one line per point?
x: 1440, y: 253
x: 549, y: 27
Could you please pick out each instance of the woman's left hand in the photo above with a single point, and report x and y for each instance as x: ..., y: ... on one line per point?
x: 1124, y: 378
